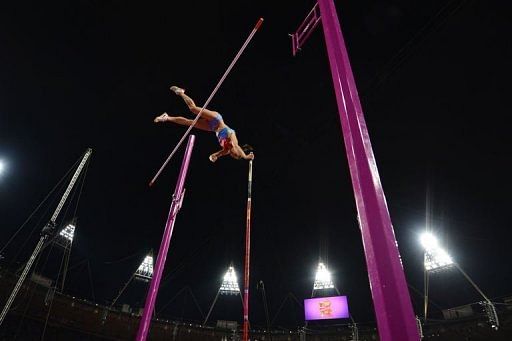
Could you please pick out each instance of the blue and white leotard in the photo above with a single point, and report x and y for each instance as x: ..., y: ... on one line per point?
x: 214, y: 123
x: 222, y: 134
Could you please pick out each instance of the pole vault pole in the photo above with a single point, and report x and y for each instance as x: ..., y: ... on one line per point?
x: 247, y: 256
x: 177, y: 200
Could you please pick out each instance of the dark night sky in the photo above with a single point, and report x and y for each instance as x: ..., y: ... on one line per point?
x: 433, y: 78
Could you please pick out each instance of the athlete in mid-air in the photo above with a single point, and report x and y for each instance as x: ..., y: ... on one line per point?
x: 209, y: 121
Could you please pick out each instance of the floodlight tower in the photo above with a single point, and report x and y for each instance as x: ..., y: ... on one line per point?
x: 145, y: 270
x: 228, y: 287
x: 65, y: 240
x: 143, y: 273
x: 323, y: 279
x: 392, y: 302
x: 68, y: 233
x: 47, y: 232
x: 437, y: 259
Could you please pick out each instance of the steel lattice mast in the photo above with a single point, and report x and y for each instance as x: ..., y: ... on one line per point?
x: 47, y: 231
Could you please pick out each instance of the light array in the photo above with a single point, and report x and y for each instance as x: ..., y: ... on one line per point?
x: 436, y: 258
x: 322, y: 278
x: 230, y: 283
x: 145, y: 269
x: 68, y: 232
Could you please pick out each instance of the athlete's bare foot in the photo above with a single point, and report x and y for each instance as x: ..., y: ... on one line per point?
x: 162, y: 118
x: 178, y: 91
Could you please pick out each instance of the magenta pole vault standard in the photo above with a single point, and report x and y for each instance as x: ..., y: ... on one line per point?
x: 249, y: 38
x: 177, y: 199
x: 391, y: 300
x: 247, y: 266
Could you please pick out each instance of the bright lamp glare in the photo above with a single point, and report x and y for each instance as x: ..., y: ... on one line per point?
x: 68, y: 232
x: 322, y: 278
x: 145, y: 269
x: 230, y: 283
x: 428, y: 241
x: 436, y: 258
x: 2, y: 166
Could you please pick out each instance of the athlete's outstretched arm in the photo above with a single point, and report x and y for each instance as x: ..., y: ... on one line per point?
x: 236, y: 151
x: 218, y: 154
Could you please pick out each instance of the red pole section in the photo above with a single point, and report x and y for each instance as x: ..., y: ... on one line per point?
x: 247, y: 257
x: 177, y: 199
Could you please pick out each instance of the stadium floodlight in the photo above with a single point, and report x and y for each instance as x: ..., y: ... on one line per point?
x: 229, y: 286
x: 68, y: 232
x: 436, y: 258
x: 2, y: 167
x: 428, y: 241
x: 230, y: 283
x: 322, y: 278
x: 145, y: 270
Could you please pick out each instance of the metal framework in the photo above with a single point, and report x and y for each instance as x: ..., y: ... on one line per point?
x: 305, y: 29
x: 65, y: 240
x: 229, y: 286
x: 47, y: 231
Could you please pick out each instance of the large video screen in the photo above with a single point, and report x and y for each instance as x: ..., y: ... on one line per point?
x: 324, y: 308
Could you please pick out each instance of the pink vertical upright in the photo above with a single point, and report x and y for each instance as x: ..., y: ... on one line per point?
x: 392, y: 303
x: 247, y: 266
x: 177, y: 200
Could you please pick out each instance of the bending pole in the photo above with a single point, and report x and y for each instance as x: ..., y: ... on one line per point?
x: 198, y: 116
x: 247, y: 256
x: 177, y: 199
x: 392, y: 303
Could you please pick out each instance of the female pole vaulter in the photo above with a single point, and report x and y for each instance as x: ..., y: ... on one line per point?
x: 209, y: 121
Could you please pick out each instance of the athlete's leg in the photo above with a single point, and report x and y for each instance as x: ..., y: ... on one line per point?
x: 200, y: 124
x: 208, y: 114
